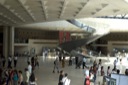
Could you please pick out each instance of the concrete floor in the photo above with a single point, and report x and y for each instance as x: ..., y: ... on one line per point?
x: 46, y: 77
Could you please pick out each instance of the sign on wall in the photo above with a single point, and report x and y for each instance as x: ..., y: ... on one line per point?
x: 64, y: 36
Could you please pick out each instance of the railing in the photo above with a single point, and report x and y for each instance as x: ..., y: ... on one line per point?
x: 69, y: 46
x: 121, y: 16
x: 21, y: 41
x: 82, y: 26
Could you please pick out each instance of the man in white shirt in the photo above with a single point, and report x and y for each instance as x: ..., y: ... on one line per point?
x: 86, y: 74
x: 15, y: 60
x: 65, y: 80
x: 29, y: 68
x: 27, y: 75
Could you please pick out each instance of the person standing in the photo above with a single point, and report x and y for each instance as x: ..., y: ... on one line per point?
x: 20, y: 81
x: 3, y: 61
x: 36, y: 61
x: 120, y: 68
x: 76, y: 61
x: 61, y: 77
x: 27, y: 75
x: 29, y: 68
x: 70, y: 61
x: 63, y: 62
x: 15, y: 61
x: 108, y: 71
x: 100, y: 61
x: 91, y: 70
x: 60, y: 56
x: 87, y: 77
x: 46, y: 53
x: 9, y: 62
x: 28, y: 58
x: 15, y: 77
x: 102, y: 71
x: 100, y: 54
x: 84, y: 62
x: 91, y: 74
x: 95, y: 63
x: 32, y: 79
x: 33, y: 63
x: 115, y: 63
x: 99, y: 69
x: 66, y: 80
x: 94, y: 72
x: 10, y: 76
x: 56, y: 65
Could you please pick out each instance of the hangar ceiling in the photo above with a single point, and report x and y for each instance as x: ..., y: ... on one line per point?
x: 20, y: 12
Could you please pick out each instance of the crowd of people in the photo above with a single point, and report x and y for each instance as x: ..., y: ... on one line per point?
x: 97, y: 69
x: 60, y: 61
x: 11, y: 75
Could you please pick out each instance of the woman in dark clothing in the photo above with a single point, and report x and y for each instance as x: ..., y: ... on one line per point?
x: 76, y: 61
x: 3, y: 61
x: 61, y: 77
x: 94, y: 72
x: 32, y: 79
x: 102, y: 71
x: 9, y: 61
x: 33, y: 63
x: 91, y: 70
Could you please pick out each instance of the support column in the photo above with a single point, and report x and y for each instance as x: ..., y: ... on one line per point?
x: 11, y: 45
x: 110, y: 47
x: 5, y: 41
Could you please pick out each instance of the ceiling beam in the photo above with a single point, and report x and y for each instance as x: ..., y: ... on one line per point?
x: 103, y: 5
x: 27, y: 10
x: 82, y: 26
x: 4, y: 22
x: 80, y: 9
x: 12, y: 12
x: 2, y: 1
x: 44, y: 9
x: 123, y: 16
x: 63, y: 7
x: 7, y: 18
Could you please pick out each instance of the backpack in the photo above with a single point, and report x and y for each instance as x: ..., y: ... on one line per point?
x: 15, y: 77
